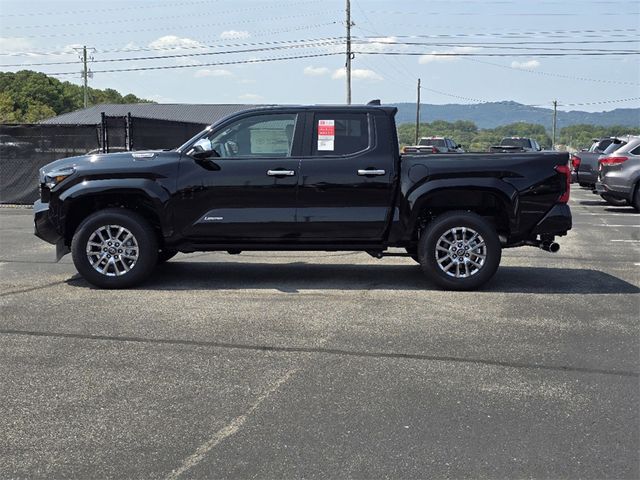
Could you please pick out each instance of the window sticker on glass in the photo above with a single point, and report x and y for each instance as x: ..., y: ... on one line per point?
x: 326, y: 134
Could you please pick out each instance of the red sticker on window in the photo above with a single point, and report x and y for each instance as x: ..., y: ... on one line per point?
x: 326, y: 134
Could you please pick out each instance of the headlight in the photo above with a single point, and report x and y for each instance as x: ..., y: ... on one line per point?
x: 51, y: 179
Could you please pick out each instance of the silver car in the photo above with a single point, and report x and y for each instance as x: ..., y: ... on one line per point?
x: 619, y: 173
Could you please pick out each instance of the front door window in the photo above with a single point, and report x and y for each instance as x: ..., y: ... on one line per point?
x: 260, y: 136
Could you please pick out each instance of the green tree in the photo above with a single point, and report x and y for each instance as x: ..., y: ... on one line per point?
x: 8, y: 111
x: 28, y: 96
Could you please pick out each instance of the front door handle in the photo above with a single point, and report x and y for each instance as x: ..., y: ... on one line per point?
x: 371, y: 172
x: 281, y: 173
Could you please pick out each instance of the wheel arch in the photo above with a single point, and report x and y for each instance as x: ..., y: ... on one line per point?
x: 488, y: 198
x: 79, y: 203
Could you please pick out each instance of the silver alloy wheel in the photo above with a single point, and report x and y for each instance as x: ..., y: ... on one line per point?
x: 112, y: 250
x: 461, y: 252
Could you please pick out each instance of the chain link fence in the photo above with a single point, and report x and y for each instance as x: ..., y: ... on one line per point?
x: 25, y: 148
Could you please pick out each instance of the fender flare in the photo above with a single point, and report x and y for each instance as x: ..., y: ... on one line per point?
x: 506, y: 193
x: 152, y: 191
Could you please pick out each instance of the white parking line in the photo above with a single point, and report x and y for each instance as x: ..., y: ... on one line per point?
x: 227, y: 431
x: 604, y: 225
x: 626, y: 241
x: 607, y: 214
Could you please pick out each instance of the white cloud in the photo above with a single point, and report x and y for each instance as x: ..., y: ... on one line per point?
x: 528, y: 65
x: 445, y: 55
x: 160, y: 98
x: 316, y: 71
x: 234, y: 34
x: 14, y: 44
x: 172, y: 42
x: 251, y: 97
x: 247, y: 81
x: 382, y: 44
x: 215, y: 72
x: 357, y: 74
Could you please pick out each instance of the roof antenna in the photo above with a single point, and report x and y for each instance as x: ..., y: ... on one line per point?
x: 374, y: 102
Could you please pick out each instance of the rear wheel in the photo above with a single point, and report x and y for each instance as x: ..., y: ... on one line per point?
x: 114, y: 248
x: 636, y: 198
x: 617, y: 202
x: 460, y: 251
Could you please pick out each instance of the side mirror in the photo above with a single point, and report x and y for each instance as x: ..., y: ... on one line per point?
x: 200, y: 154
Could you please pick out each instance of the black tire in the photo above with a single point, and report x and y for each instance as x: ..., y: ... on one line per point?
x: 165, y: 255
x: 616, y: 202
x: 438, y: 233
x: 108, y: 223
x: 636, y: 198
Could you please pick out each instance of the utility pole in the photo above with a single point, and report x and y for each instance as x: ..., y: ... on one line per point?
x: 86, y: 73
x: 349, y: 54
x: 418, y: 115
x: 555, y: 115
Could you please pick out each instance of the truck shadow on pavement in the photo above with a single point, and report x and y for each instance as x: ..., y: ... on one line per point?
x: 293, y: 277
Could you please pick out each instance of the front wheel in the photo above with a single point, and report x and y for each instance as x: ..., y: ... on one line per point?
x: 616, y: 202
x: 459, y: 251
x: 114, y: 248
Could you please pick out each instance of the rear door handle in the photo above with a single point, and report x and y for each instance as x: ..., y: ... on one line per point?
x: 281, y: 173
x: 371, y: 172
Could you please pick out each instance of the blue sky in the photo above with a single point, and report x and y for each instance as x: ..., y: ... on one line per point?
x: 191, y: 34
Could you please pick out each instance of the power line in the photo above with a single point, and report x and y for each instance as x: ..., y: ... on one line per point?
x: 186, y: 55
x: 145, y: 6
x: 150, y: 19
x: 590, y: 33
x: 176, y: 27
x: 480, y: 54
x: 180, y: 45
x: 601, y: 102
x: 385, y: 41
x: 196, y: 65
x: 552, y: 74
x: 502, y: 46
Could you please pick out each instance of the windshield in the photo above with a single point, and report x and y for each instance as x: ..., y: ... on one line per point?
x: 600, y: 146
x: 434, y: 142
x: 515, y: 142
x: 192, y: 139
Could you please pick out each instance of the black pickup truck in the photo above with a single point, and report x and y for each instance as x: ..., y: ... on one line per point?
x: 301, y: 178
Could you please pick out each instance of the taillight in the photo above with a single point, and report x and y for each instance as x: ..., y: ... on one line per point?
x: 575, y: 162
x: 612, y: 160
x: 434, y: 150
x: 564, y: 170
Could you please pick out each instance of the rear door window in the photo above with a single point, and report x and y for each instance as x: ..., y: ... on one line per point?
x: 341, y: 134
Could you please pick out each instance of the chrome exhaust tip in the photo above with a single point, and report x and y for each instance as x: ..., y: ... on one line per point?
x: 552, y: 247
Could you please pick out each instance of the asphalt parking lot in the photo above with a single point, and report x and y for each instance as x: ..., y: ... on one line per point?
x: 325, y: 365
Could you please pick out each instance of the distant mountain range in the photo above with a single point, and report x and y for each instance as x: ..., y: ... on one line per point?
x: 495, y: 114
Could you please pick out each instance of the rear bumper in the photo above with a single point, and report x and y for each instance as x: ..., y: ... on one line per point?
x: 603, y: 188
x: 44, y: 228
x: 557, y: 221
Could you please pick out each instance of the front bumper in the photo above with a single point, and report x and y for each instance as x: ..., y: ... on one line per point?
x: 44, y: 228
x: 557, y: 221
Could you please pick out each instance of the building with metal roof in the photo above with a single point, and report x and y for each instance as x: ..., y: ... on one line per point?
x: 172, y: 112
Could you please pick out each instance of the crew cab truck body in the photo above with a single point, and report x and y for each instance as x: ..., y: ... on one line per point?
x: 301, y: 178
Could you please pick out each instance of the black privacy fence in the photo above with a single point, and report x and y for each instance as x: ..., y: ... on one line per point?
x: 25, y: 148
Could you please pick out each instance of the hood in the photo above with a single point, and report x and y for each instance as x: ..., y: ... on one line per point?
x: 104, y: 160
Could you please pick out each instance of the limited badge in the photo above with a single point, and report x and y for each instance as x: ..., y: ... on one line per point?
x: 326, y: 134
